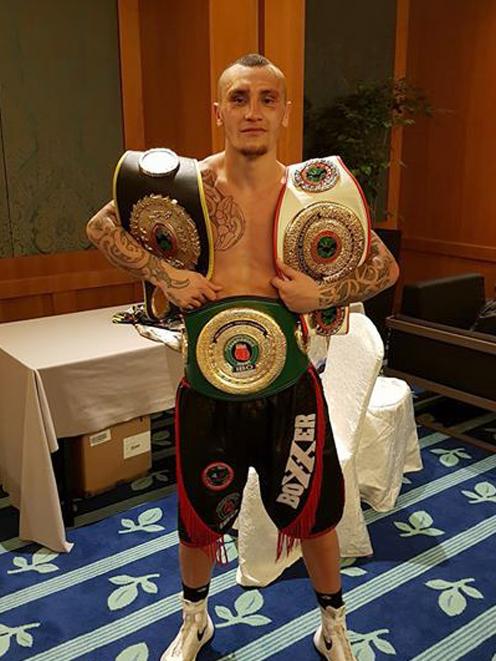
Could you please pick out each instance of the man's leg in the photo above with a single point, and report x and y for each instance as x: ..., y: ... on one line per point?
x: 196, y: 566
x: 322, y: 560
x: 197, y: 628
x: 196, y: 562
x: 211, y: 478
x: 321, y: 556
x: 303, y: 449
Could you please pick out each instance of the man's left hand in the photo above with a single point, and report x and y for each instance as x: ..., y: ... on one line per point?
x: 299, y: 292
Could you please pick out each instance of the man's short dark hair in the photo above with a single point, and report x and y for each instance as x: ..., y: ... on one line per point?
x: 252, y: 60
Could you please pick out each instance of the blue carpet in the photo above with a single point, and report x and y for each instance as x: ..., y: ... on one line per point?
x: 428, y: 593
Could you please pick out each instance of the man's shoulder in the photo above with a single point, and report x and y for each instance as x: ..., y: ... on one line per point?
x: 211, y: 163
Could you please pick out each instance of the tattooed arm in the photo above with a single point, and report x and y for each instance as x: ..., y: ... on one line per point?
x: 302, y: 294
x: 378, y: 272
x: 183, y: 288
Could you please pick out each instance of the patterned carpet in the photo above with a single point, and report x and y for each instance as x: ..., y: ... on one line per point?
x: 428, y: 593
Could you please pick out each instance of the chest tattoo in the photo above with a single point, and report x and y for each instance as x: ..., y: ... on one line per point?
x: 228, y: 222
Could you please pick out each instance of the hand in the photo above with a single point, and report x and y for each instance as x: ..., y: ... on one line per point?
x: 189, y: 290
x: 298, y: 291
x: 105, y: 218
x: 186, y: 289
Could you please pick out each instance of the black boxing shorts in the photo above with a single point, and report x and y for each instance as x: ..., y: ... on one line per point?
x: 286, y: 437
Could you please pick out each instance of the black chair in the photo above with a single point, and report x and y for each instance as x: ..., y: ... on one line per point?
x: 430, y: 342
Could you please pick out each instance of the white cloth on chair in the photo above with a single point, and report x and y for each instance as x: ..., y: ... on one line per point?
x: 352, y: 367
x: 389, y: 444
x: 319, y: 344
x: 257, y: 540
x: 353, y: 363
x: 357, y: 307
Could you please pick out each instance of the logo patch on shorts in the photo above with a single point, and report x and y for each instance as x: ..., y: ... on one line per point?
x: 217, y: 476
x: 227, y: 508
x: 299, y: 467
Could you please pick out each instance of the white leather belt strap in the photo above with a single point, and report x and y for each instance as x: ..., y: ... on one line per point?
x: 322, y: 228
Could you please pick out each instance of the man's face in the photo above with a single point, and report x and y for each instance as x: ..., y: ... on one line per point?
x: 252, y: 108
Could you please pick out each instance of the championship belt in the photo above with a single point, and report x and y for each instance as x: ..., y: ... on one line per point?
x: 243, y: 347
x: 160, y: 201
x: 323, y: 229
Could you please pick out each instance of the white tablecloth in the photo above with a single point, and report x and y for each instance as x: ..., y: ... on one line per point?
x: 64, y: 376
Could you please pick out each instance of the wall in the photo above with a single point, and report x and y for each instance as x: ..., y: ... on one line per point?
x: 170, y: 55
x: 61, y: 134
x: 6, y: 247
x: 176, y: 75
x: 173, y: 54
x: 446, y: 198
x: 61, y: 120
x: 42, y: 285
x: 346, y: 43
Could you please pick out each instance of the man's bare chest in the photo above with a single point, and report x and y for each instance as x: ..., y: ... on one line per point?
x: 250, y: 251
x: 240, y: 224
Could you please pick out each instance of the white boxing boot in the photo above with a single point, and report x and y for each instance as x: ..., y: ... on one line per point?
x: 196, y: 630
x: 331, y: 638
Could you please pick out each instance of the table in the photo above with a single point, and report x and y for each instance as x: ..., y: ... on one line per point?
x: 64, y: 376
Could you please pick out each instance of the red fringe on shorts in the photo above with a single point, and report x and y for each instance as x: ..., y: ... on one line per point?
x: 199, y: 533
x: 300, y: 528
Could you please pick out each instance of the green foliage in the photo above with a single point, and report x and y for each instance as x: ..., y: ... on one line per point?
x: 357, y: 128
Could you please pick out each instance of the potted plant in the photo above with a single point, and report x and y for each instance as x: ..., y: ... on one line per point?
x: 357, y: 127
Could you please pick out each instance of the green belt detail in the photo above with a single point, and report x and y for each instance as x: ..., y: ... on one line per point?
x: 225, y: 334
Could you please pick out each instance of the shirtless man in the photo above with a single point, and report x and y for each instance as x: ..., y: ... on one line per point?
x: 242, y: 186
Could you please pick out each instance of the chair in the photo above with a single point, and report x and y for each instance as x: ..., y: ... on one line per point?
x: 319, y: 344
x: 352, y: 367
x: 432, y: 343
x: 389, y: 444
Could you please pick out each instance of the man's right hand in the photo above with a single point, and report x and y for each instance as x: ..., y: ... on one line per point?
x: 186, y: 289
x: 189, y: 290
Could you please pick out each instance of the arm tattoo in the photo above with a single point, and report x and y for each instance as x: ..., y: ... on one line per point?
x: 124, y: 252
x: 226, y: 216
x: 378, y: 272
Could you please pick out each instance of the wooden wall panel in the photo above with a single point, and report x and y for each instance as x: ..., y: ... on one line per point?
x: 400, y: 71
x: 447, y: 200
x: 417, y: 265
x: 104, y: 296
x: 233, y: 32
x: 131, y: 74
x: 176, y: 75
x: 284, y: 44
x: 43, y: 285
x: 36, y: 266
x: 26, y: 307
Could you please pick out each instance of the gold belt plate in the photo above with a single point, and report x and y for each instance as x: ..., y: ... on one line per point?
x: 241, y: 351
x: 164, y: 228
x: 325, y: 240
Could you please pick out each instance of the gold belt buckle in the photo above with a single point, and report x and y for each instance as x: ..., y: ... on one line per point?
x: 241, y: 351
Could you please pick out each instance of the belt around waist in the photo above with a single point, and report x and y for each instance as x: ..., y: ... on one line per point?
x: 243, y: 347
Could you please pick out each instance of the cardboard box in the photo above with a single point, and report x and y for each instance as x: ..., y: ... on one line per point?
x: 120, y: 453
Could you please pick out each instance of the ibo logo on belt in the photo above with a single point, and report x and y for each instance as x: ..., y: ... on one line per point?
x: 242, y: 352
